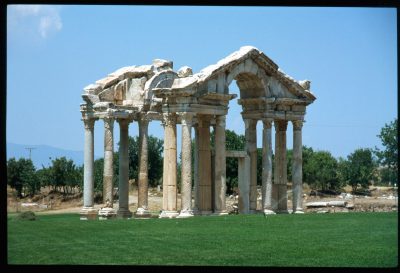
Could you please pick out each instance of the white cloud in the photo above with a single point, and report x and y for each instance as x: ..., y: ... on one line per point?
x: 44, y: 19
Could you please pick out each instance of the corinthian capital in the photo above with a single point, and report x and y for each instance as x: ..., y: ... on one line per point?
x: 186, y: 118
x: 281, y: 125
x: 89, y: 123
x: 108, y: 123
x: 220, y: 121
x: 169, y: 119
x: 297, y: 125
x: 267, y: 123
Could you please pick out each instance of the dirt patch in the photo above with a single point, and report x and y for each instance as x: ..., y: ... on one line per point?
x: 381, y: 199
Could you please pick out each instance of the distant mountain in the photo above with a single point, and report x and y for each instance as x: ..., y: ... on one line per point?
x: 43, y: 154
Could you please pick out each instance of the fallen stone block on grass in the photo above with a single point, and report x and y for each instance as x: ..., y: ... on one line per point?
x: 316, y: 204
x: 337, y: 203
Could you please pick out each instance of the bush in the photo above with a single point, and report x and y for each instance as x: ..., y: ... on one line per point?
x: 26, y: 215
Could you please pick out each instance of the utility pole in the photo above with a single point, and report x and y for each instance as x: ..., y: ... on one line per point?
x: 30, y: 151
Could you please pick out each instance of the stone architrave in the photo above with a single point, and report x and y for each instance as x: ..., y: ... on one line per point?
x: 170, y: 167
x: 220, y: 167
x: 123, y: 187
x: 108, y: 171
x: 297, y: 169
x: 88, y: 212
x: 186, y: 166
x: 143, y: 180
x: 204, y: 187
x: 280, y: 177
x: 267, y: 168
x: 251, y: 148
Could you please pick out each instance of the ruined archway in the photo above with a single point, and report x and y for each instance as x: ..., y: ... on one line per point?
x: 156, y: 92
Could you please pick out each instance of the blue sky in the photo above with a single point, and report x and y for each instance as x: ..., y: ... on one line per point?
x: 349, y: 54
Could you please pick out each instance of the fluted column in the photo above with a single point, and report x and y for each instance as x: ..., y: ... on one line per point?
x: 186, y: 166
x: 267, y: 168
x: 251, y: 148
x: 220, y: 167
x: 280, y: 176
x: 297, y: 167
x: 170, y: 167
x: 143, y: 179
x: 108, y: 171
x: 88, y: 212
x: 204, y: 188
x: 123, y: 187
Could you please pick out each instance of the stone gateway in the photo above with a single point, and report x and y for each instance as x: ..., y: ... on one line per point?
x: 156, y: 92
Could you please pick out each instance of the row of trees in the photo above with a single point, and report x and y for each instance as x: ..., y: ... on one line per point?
x: 321, y: 171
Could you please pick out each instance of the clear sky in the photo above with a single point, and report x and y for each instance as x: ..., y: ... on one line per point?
x: 349, y: 54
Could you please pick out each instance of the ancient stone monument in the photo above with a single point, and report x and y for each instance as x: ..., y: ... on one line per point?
x: 156, y: 92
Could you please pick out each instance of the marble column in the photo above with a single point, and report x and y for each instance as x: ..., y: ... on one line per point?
x: 267, y: 168
x: 251, y: 148
x: 88, y: 212
x: 220, y: 167
x: 186, y: 166
x: 123, y: 187
x: 205, y: 200
x: 170, y: 167
x: 280, y: 176
x: 297, y: 167
x: 143, y: 179
x: 196, y: 170
x: 108, y: 171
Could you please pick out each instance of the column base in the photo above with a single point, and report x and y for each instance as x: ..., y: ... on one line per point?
x: 107, y: 214
x: 124, y: 214
x: 142, y: 213
x: 282, y: 212
x: 205, y: 212
x: 219, y: 213
x: 298, y: 211
x: 185, y: 214
x: 196, y: 211
x: 253, y: 211
x: 268, y: 212
x: 168, y: 214
x: 88, y: 213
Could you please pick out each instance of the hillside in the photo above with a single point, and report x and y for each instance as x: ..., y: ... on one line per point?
x: 43, y: 154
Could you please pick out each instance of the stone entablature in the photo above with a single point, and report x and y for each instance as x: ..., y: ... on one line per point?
x: 156, y: 92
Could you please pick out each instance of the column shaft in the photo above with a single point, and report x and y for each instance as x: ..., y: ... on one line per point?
x: 220, y: 166
x: 280, y: 166
x: 251, y: 148
x: 108, y: 161
x: 196, y: 170
x: 186, y: 165
x: 297, y: 169
x: 88, y: 182
x: 205, y: 205
x: 123, y: 191
x: 143, y: 180
x: 170, y: 167
x: 267, y: 168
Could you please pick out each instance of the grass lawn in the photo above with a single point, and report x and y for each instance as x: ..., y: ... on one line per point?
x: 338, y: 240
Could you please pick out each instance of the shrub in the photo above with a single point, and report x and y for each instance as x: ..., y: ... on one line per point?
x: 26, y: 215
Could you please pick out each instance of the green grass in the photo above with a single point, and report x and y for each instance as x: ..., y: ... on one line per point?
x: 338, y: 240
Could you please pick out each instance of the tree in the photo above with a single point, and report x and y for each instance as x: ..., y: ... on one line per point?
x: 98, y: 175
x: 321, y: 170
x: 64, y: 174
x: 21, y: 175
x: 358, y: 169
x: 388, y: 158
x: 233, y: 142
